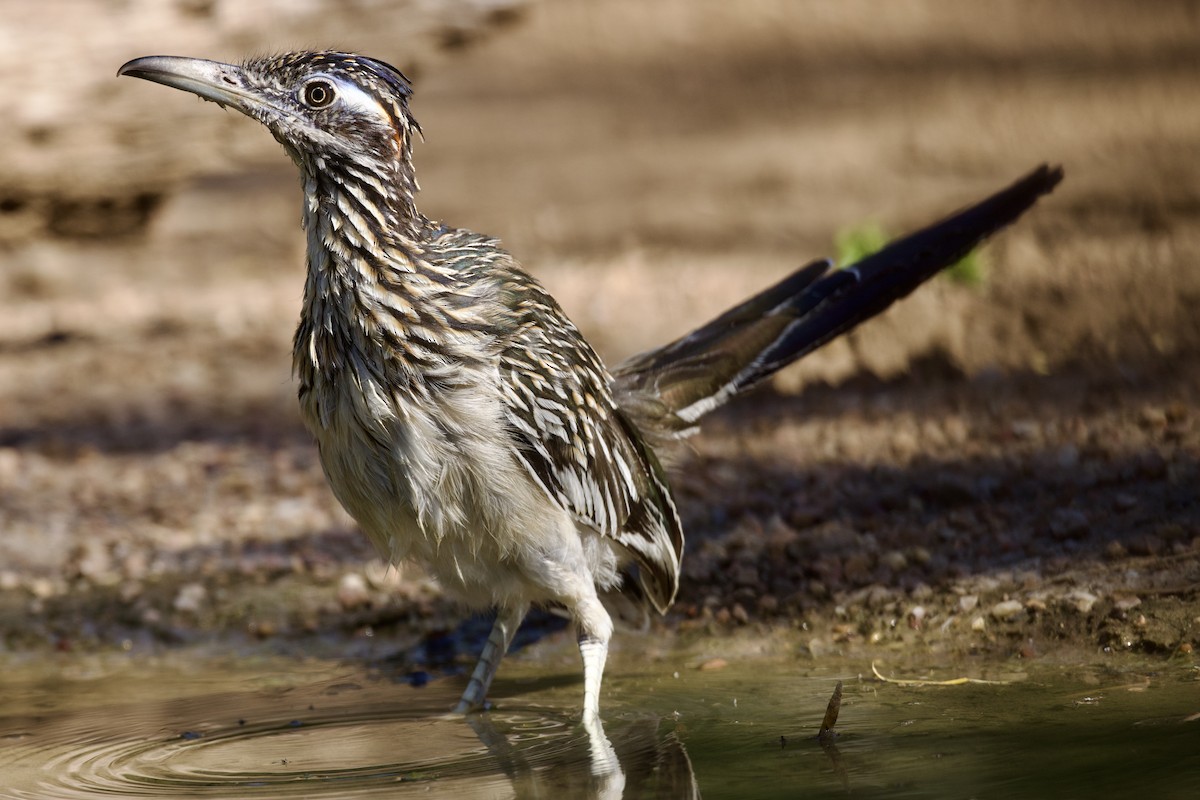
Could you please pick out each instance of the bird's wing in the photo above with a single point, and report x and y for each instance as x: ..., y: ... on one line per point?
x: 578, y: 445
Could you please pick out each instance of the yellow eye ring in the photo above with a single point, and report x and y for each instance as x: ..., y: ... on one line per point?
x: 318, y: 94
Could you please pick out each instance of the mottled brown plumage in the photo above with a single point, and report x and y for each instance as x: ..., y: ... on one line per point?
x: 461, y: 417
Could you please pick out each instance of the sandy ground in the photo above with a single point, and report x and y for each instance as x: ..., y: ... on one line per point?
x: 1007, y: 468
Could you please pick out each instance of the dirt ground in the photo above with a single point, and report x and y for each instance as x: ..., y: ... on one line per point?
x: 1008, y: 469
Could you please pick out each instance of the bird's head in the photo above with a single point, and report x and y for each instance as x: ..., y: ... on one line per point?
x: 322, y: 106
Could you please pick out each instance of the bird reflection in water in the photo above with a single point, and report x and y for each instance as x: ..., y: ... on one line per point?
x: 647, y: 760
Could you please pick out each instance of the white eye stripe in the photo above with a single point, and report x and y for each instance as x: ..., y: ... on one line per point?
x: 356, y: 99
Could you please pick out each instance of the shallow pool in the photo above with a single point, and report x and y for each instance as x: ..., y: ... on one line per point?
x: 197, y: 725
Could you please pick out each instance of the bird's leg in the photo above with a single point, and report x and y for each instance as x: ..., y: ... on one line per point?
x: 508, y: 619
x: 595, y: 653
x: 595, y: 629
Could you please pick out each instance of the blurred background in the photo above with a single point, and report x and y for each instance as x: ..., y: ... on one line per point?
x: 651, y: 163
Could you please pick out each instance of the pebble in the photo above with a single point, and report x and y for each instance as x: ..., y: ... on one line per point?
x: 1025, y: 428
x: 968, y: 602
x: 1127, y: 602
x: 352, y: 591
x: 1148, y: 545
x: 956, y: 429
x: 1123, y: 501
x: 1006, y: 609
x: 94, y: 562
x: 1067, y: 456
x: 135, y: 565
x: 1153, y: 417
x: 191, y: 598
x: 768, y: 604
x: 745, y: 575
x: 713, y: 663
x: 916, y: 615
x: 42, y: 588
x: 1115, y: 551
x: 1082, y: 600
x: 1068, y: 523
x: 978, y: 624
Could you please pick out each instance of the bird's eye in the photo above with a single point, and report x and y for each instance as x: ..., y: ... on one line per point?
x: 318, y: 94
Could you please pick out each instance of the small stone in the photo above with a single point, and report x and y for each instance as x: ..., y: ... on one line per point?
x: 261, y: 629
x: 1067, y: 456
x: 894, y: 560
x: 135, y: 565
x: 1025, y: 428
x: 1006, y: 609
x: 1068, y: 523
x: 968, y: 602
x: 1082, y: 600
x: 978, y: 624
x: 1153, y: 417
x: 905, y: 444
x: 1115, y: 551
x: 9, y: 580
x: 739, y: 613
x: 916, y: 616
x: 352, y: 591
x: 768, y: 604
x: 713, y: 663
x: 1127, y: 602
x: 723, y: 616
x: 878, y: 596
x: 745, y: 575
x: 191, y: 598
x: 956, y: 429
x: 94, y: 562
x: 42, y: 588
x: 1148, y: 545
x: 857, y: 569
x: 1123, y: 501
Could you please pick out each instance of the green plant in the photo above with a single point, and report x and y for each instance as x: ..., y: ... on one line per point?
x: 859, y: 241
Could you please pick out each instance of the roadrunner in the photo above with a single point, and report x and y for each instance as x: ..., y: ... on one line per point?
x: 462, y: 419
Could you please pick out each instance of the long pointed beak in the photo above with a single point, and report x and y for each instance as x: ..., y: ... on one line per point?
x: 224, y: 84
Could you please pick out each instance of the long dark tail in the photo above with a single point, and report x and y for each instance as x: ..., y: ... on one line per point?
x: 669, y: 388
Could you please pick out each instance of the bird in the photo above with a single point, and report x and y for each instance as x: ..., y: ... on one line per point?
x: 461, y: 418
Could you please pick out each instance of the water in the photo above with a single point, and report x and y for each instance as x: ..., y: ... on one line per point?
x: 194, y: 725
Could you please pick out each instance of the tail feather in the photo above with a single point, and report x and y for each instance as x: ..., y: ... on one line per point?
x: 671, y: 387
